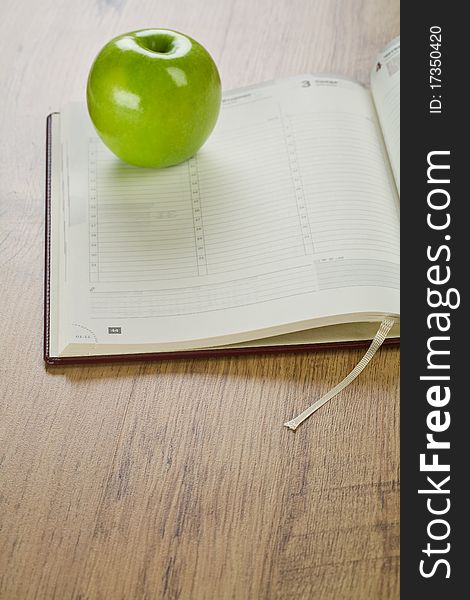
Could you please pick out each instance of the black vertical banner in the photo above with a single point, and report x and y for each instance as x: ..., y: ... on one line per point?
x: 434, y: 331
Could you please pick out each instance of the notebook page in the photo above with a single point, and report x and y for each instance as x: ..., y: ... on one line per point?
x: 385, y: 86
x: 286, y: 216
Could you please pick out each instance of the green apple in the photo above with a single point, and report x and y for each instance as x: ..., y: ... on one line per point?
x: 154, y: 96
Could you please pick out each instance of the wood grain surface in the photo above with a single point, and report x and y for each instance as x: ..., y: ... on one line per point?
x: 177, y: 480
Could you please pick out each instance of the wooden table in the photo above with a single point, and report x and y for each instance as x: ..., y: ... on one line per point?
x: 177, y: 480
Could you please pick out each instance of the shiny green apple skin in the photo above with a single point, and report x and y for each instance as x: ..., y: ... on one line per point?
x: 154, y: 97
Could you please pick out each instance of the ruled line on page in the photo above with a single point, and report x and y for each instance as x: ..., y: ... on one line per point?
x: 243, y: 291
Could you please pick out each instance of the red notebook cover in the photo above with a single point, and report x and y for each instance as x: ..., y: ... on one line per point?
x: 204, y: 353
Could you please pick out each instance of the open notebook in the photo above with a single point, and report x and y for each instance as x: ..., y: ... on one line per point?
x: 283, y: 231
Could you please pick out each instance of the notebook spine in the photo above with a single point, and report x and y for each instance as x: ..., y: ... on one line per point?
x: 47, y: 241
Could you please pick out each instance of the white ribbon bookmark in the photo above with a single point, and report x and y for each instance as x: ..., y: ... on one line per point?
x: 378, y: 340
